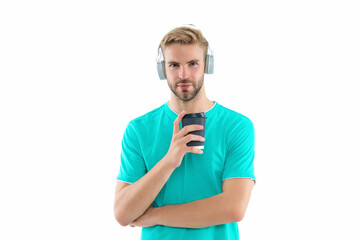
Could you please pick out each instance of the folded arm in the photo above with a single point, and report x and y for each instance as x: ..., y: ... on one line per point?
x: 228, y: 206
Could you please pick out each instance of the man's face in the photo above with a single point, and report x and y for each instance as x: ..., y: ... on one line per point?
x: 184, y: 65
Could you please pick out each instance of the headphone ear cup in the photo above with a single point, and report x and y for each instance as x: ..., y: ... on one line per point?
x: 161, y: 70
x: 209, y: 64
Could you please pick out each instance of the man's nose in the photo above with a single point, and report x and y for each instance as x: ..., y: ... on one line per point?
x: 183, y: 72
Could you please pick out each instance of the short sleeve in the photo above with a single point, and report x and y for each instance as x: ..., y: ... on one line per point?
x: 132, y: 165
x: 239, y: 161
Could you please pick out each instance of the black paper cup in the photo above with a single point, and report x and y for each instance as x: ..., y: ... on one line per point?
x: 198, y: 119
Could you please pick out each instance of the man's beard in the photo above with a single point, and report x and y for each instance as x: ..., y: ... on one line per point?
x: 186, y: 95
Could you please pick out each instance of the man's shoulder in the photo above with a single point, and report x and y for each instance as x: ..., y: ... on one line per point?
x: 235, y: 125
x: 149, y: 117
x: 232, y: 116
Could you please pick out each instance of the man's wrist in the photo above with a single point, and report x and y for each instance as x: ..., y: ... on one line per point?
x: 167, y: 163
x: 156, y: 215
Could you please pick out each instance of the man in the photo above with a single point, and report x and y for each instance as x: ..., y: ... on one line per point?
x: 178, y: 192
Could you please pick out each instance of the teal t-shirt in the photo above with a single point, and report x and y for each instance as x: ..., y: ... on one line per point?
x: 228, y: 153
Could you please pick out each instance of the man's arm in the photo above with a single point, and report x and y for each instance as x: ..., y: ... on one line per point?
x: 229, y: 206
x: 132, y: 200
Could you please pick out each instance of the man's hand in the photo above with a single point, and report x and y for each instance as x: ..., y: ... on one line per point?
x: 179, y: 140
x: 145, y: 220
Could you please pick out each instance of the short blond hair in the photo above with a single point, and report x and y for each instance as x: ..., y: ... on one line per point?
x: 184, y: 35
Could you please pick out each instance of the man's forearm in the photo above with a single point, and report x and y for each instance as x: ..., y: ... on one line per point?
x: 198, y: 214
x: 132, y: 201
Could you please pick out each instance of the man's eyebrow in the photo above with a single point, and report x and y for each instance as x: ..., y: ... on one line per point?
x: 191, y: 61
x: 194, y: 60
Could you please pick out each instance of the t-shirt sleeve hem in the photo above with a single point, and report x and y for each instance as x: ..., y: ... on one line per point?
x: 124, y: 181
x: 253, y: 178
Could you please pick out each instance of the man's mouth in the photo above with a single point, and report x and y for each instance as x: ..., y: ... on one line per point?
x: 184, y: 86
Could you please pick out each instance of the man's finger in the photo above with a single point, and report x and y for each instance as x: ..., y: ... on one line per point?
x: 195, y: 150
x: 177, y: 122
x: 190, y: 128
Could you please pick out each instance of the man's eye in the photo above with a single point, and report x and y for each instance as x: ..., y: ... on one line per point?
x: 173, y: 65
x: 194, y: 64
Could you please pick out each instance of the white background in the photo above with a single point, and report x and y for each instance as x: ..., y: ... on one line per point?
x: 73, y: 73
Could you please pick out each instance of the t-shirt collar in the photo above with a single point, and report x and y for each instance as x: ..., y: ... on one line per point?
x: 174, y: 114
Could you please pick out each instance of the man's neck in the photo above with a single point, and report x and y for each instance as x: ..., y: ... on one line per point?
x: 197, y: 104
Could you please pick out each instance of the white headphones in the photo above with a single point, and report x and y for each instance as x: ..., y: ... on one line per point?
x: 160, y: 63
